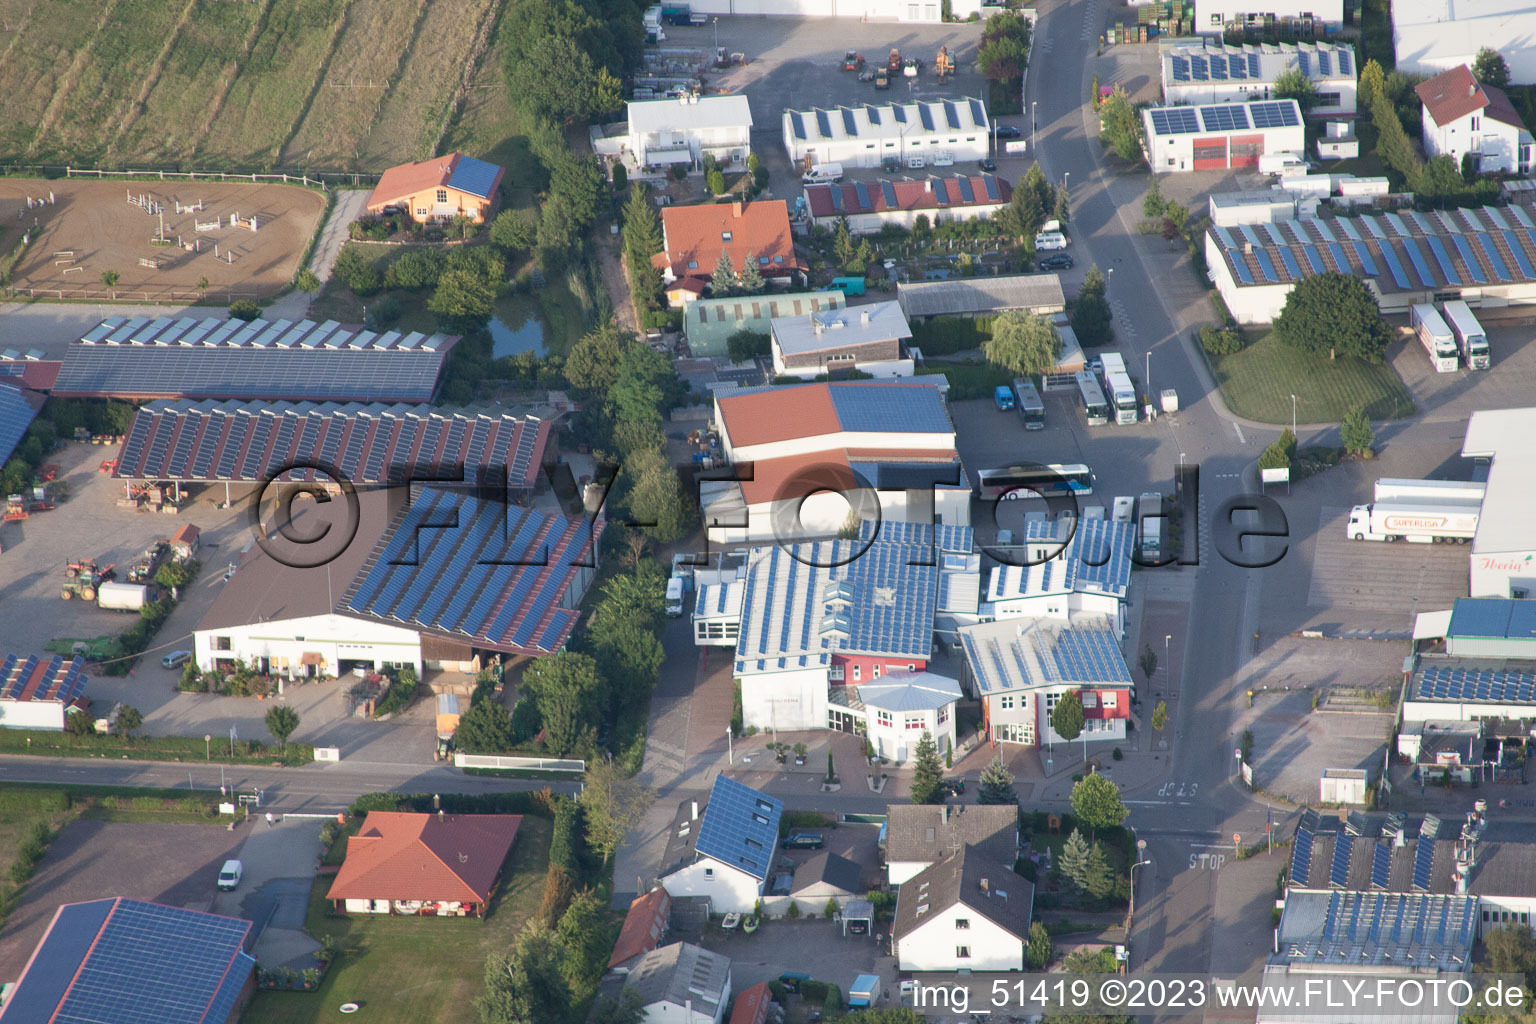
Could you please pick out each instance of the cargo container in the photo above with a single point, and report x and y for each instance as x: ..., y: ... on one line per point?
x: 1415, y: 522
x: 1471, y: 339
x: 1436, y: 337
x: 1430, y: 492
x: 124, y: 597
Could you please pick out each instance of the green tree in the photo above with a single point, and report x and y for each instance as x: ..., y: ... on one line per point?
x: 562, y: 59
x: 722, y: 281
x: 1098, y: 882
x: 642, y: 227
x: 1067, y: 717
x: 1490, y: 68
x: 751, y: 278
x: 486, y: 728
x: 634, y: 598
x: 997, y: 783
x: 629, y: 656
x: 281, y: 722
x: 1293, y: 84
x: 1034, y: 181
x: 656, y: 499
x: 570, y: 696
x: 1002, y: 59
x: 1356, y: 432
x: 513, y: 232
x: 627, y: 1008
x: 620, y: 177
x: 1122, y: 128
x: 593, y: 364
x: 1441, y: 176
x: 527, y: 985
x: 1333, y: 313
x: 1022, y: 217
x: 1037, y: 951
x: 174, y: 574
x: 1090, y: 315
x: 1073, y: 863
x: 1511, y: 949
x: 109, y: 278
x: 714, y: 180
x: 306, y: 281
x: 1373, y: 82
x: 861, y: 257
x: 586, y: 940
x: 1147, y: 660
x: 79, y: 723
x: 842, y: 243
x: 1096, y: 802
x: 613, y: 804
x: 415, y: 269
x: 1025, y: 344
x: 1177, y: 214
x: 646, y: 386
x: 1062, y: 211
x: 1160, y: 716
x: 355, y: 269
x: 1278, y: 455
x: 1392, y: 143
x: 463, y: 300
x: 129, y: 720
x: 1153, y: 204
x: 744, y: 345
x: 927, y: 772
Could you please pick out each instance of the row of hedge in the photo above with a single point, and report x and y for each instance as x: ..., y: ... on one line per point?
x: 149, y: 748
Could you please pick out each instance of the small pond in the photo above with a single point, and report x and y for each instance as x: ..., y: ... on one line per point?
x: 516, y: 328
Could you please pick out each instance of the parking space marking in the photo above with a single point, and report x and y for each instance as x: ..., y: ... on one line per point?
x: 1375, y: 576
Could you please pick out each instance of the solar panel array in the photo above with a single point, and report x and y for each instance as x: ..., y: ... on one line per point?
x: 1396, y: 929
x: 1301, y: 857
x: 1423, y: 864
x: 1494, y: 686
x: 1338, y: 872
x: 497, y: 574
x: 476, y: 177
x: 132, y: 962
x: 1174, y: 120
x: 740, y: 827
x: 1381, y: 865
x: 1225, y: 118
x: 1216, y: 62
x: 138, y: 358
x: 31, y: 677
x: 364, y: 443
x: 1404, y: 254
x: 881, y: 408
x: 1275, y: 114
x: 16, y: 414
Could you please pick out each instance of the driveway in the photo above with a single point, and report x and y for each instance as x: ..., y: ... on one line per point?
x: 814, y: 947
x: 348, y: 207
x: 279, y: 867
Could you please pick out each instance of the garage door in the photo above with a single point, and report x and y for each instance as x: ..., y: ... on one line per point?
x: 1246, y: 150
x: 1210, y: 154
x: 797, y: 8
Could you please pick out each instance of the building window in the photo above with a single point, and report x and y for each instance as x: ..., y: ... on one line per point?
x: 222, y: 643
x: 857, y: 672
x: 915, y: 722
x: 962, y: 952
x: 709, y: 872
x: 943, y: 715
x: 725, y: 236
x: 421, y: 211
x: 442, y: 195
x: 1327, y: 99
x: 835, y: 673
x: 1476, y: 121
x: 1005, y: 702
x: 884, y: 719
x: 875, y: 671
x: 962, y: 923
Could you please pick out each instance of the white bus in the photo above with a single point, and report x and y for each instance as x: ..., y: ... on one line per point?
x: 1012, y: 482
x: 1470, y: 337
x: 1095, y: 408
x: 1031, y: 408
x: 1118, y: 386
x: 1436, y: 338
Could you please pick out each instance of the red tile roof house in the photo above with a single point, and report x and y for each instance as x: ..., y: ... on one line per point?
x: 869, y: 206
x: 426, y: 865
x: 439, y: 189
x: 695, y: 237
x: 1462, y: 116
x: 752, y: 1006
x: 645, y: 926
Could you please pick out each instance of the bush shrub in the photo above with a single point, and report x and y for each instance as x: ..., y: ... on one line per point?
x: 1221, y: 341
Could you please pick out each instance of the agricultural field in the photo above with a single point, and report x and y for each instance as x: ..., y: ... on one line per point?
x: 341, y: 85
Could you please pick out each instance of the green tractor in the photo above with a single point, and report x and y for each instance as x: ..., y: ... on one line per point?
x: 83, y: 577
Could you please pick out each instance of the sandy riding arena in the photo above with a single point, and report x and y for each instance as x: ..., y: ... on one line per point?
x: 149, y: 241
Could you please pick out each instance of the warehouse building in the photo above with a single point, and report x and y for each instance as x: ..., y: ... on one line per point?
x: 19, y: 406
x: 1504, y: 549
x: 1211, y: 71
x: 982, y: 296
x: 1486, y: 256
x: 871, y: 339
x: 448, y: 581
x: 1470, y: 690
x: 138, y: 359
x: 1430, y: 36
x: 189, y: 441
x: 709, y: 323
x: 40, y: 692
x: 1221, y: 136
x: 867, y: 207
x: 930, y: 131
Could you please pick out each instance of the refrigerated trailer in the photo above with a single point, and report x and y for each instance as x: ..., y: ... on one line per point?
x: 1436, y: 337
x: 1470, y: 336
x: 1432, y: 492
x: 1417, y: 523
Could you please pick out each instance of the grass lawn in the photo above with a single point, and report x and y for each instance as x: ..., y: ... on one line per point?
x: 1258, y: 383
x: 414, y: 970
x: 971, y: 379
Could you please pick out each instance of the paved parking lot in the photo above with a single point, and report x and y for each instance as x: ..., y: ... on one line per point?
x: 278, y: 863
x: 817, y: 948
x: 173, y: 864
x: 90, y: 525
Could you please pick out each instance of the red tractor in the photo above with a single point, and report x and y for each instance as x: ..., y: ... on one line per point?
x: 852, y: 60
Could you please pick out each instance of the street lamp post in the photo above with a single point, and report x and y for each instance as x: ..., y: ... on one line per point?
x: 1167, y: 662
x: 1293, y: 415
x: 1032, y: 104
x: 716, y: 23
x: 730, y: 748
x: 1141, y: 848
x: 1067, y: 184
x: 208, y: 746
x: 1148, y: 375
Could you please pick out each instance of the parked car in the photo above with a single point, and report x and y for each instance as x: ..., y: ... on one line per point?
x: 987, y: 164
x: 1007, y: 131
x: 952, y: 787
x: 176, y: 659
x: 803, y: 841
x: 1055, y: 261
x: 230, y: 873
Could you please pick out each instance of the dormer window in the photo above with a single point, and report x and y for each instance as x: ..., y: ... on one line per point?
x: 725, y: 236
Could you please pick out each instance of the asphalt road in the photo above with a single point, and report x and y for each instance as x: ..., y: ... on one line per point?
x: 319, y: 788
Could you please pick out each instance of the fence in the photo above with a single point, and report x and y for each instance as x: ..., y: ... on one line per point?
x: 543, y: 764
x: 146, y: 296
x: 286, y: 179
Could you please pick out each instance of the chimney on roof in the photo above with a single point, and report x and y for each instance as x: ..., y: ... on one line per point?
x: 1472, y: 89
x: 439, y: 815
x: 864, y: 317
x: 945, y: 814
x: 986, y: 886
x: 694, y: 811
x: 737, y: 206
x: 928, y: 185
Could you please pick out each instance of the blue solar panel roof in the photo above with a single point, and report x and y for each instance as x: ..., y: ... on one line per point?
x: 476, y: 177
x: 1420, y: 265
x: 1225, y: 118
x: 880, y: 407
x: 1301, y: 857
x: 128, y: 962
x: 1274, y: 114
x: 1381, y: 865
x: 740, y: 827
x: 1174, y: 120
x: 17, y: 411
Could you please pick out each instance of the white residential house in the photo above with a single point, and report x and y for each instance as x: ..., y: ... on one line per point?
x: 870, y: 338
x: 681, y: 984
x: 917, y: 836
x: 900, y: 707
x: 724, y: 848
x: 1088, y: 576
x: 1464, y: 117
x: 686, y: 130
x: 1020, y: 668
x: 967, y: 912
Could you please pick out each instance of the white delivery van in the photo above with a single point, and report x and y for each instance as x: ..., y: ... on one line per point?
x: 823, y: 174
x: 675, y: 597
x: 1050, y: 241
x: 230, y: 874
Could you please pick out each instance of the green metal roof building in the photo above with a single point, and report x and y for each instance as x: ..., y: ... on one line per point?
x: 708, y: 322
